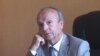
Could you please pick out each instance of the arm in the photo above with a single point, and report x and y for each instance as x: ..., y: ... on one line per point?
x: 84, y: 49
x: 37, y: 42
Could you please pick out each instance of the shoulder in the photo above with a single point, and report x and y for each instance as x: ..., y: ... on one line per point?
x: 76, y: 42
x: 74, y: 39
x: 80, y: 46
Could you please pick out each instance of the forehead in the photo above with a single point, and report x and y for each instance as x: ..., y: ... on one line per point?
x: 48, y: 15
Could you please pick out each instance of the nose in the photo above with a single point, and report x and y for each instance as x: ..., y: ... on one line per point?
x: 45, y: 27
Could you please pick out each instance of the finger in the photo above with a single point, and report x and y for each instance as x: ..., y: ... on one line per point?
x: 41, y: 39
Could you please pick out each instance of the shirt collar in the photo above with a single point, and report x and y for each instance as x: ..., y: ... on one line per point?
x: 57, y: 45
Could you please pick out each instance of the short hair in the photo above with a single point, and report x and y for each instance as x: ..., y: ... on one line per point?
x: 60, y: 15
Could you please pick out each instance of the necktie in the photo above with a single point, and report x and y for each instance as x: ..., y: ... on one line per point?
x: 51, y: 50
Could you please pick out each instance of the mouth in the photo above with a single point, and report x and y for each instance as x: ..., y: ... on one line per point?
x: 47, y: 34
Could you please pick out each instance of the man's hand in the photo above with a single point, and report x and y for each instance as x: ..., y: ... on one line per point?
x: 38, y: 41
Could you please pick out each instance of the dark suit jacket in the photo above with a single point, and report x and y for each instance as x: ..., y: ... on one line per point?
x: 70, y: 46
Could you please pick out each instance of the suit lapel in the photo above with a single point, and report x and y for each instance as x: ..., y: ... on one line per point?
x: 63, y: 51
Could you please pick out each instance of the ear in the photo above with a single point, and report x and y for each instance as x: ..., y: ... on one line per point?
x: 61, y: 23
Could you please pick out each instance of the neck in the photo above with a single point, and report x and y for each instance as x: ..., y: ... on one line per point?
x: 56, y: 39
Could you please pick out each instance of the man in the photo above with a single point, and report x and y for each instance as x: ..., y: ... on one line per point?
x: 50, y: 21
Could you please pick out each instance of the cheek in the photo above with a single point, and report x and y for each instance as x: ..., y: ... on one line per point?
x: 55, y: 29
x: 40, y: 31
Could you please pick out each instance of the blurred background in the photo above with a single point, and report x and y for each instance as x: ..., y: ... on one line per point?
x: 18, y: 21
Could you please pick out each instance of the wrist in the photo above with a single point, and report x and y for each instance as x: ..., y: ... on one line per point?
x: 33, y: 52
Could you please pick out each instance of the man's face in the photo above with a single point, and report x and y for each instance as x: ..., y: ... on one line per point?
x: 49, y: 25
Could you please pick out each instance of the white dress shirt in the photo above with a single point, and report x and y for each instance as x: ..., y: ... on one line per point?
x: 56, y: 46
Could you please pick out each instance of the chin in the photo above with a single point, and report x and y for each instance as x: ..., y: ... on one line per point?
x: 49, y: 39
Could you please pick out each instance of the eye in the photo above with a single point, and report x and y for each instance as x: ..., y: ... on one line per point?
x: 49, y: 22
